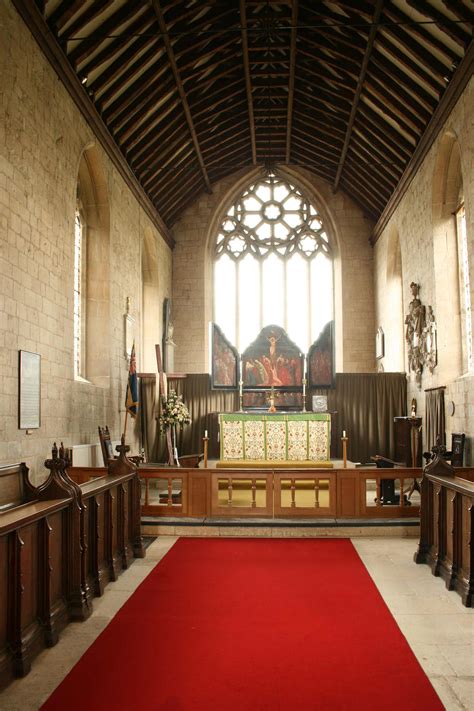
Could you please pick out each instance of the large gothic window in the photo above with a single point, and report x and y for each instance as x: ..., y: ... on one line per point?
x: 273, y: 265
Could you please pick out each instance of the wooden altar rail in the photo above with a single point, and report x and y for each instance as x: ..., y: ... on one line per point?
x: 56, y: 554
x: 336, y: 493
x: 446, y: 530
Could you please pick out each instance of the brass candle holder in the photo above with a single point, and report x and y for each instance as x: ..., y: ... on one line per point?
x: 271, y: 397
x: 205, y: 441
x: 344, y: 441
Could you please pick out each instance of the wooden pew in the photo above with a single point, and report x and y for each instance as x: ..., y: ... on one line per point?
x: 60, y: 544
x: 446, y: 527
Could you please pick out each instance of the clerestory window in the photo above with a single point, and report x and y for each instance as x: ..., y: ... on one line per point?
x: 273, y: 265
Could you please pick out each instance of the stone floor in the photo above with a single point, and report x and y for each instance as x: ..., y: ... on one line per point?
x: 437, y: 626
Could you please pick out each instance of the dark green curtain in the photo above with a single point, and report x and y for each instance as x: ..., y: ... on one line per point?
x: 434, y: 417
x: 365, y: 405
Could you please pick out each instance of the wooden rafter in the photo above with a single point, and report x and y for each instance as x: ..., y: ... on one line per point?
x: 360, y: 86
x: 248, y: 80
x: 181, y: 91
x: 291, y: 83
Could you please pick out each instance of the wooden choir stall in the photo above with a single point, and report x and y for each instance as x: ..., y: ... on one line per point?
x: 60, y: 544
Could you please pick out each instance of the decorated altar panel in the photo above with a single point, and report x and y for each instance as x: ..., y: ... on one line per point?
x: 293, y: 436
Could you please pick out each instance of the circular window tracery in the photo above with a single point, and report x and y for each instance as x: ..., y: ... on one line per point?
x: 272, y: 216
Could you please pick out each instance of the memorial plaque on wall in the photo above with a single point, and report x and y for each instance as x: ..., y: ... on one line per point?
x: 29, y: 391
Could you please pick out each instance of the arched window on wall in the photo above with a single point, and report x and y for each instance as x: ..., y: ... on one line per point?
x: 91, y: 312
x: 152, y: 316
x: 80, y: 252
x: 464, y: 288
x: 450, y: 256
x: 393, y: 318
x: 272, y: 265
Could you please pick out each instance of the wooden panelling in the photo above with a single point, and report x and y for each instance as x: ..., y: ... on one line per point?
x: 199, y: 488
x: 348, y: 495
x: 56, y: 552
x: 446, y: 544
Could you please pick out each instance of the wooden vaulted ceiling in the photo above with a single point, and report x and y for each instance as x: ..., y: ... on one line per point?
x: 192, y: 90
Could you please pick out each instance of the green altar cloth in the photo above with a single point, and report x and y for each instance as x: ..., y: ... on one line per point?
x: 293, y: 436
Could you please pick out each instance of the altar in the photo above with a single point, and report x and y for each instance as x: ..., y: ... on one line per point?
x: 288, y: 439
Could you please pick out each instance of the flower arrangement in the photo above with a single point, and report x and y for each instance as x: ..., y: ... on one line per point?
x: 174, y: 412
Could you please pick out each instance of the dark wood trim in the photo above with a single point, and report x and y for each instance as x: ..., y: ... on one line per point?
x: 360, y: 86
x: 451, y: 96
x: 181, y: 91
x: 291, y: 83
x: 248, y: 80
x: 47, y: 43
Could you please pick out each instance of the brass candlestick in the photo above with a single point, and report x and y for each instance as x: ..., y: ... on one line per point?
x: 344, y: 441
x: 271, y: 397
x: 205, y: 440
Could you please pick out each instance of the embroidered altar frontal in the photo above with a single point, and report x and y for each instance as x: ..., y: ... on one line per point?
x: 299, y: 438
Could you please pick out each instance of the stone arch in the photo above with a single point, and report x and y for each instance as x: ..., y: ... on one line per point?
x: 446, y: 192
x: 93, y: 195
x: 151, y: 322
x: 394, y: 344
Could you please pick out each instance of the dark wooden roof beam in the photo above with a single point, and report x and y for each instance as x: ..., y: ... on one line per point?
x: 397, y: 15
x: 147, y: 154
x: 248, y: 80
x: 140, y: 133
x: 426, y: 57
x: 181, y: 91
x: 460, y: 11
x: 144, y: 50
x: 126, y: 49
x: 393, y: 109
x: 127, y: 87
x: 452, y: 29
x: 134, y: 100
x: 391, y: 76
x: 360, y: 84
x: 82, y: 20
x: 393, y: 91
x: 429, y: 78
x: 387, y: 165
x: 385, y: 133
x: 85, y: 47
x: 62, y: 13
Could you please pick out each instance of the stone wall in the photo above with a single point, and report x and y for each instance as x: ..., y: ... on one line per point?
x: 192, y: 271
x: 425, y: 227
x: 42, y: 139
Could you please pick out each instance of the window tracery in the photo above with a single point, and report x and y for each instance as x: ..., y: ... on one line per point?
x: 272, y: 265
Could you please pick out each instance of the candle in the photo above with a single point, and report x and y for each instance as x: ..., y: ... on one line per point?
x: 205, y: 433
x: 343, y: 433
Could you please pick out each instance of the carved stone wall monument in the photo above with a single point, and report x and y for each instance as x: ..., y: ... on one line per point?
x: 420, y: 335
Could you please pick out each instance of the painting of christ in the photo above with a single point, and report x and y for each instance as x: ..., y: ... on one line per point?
x: 272, y: 360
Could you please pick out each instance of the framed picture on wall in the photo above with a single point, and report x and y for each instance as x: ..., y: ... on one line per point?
x: 29, y: 390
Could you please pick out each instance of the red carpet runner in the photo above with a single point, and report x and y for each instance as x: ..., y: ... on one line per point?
x: 234, y: 625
